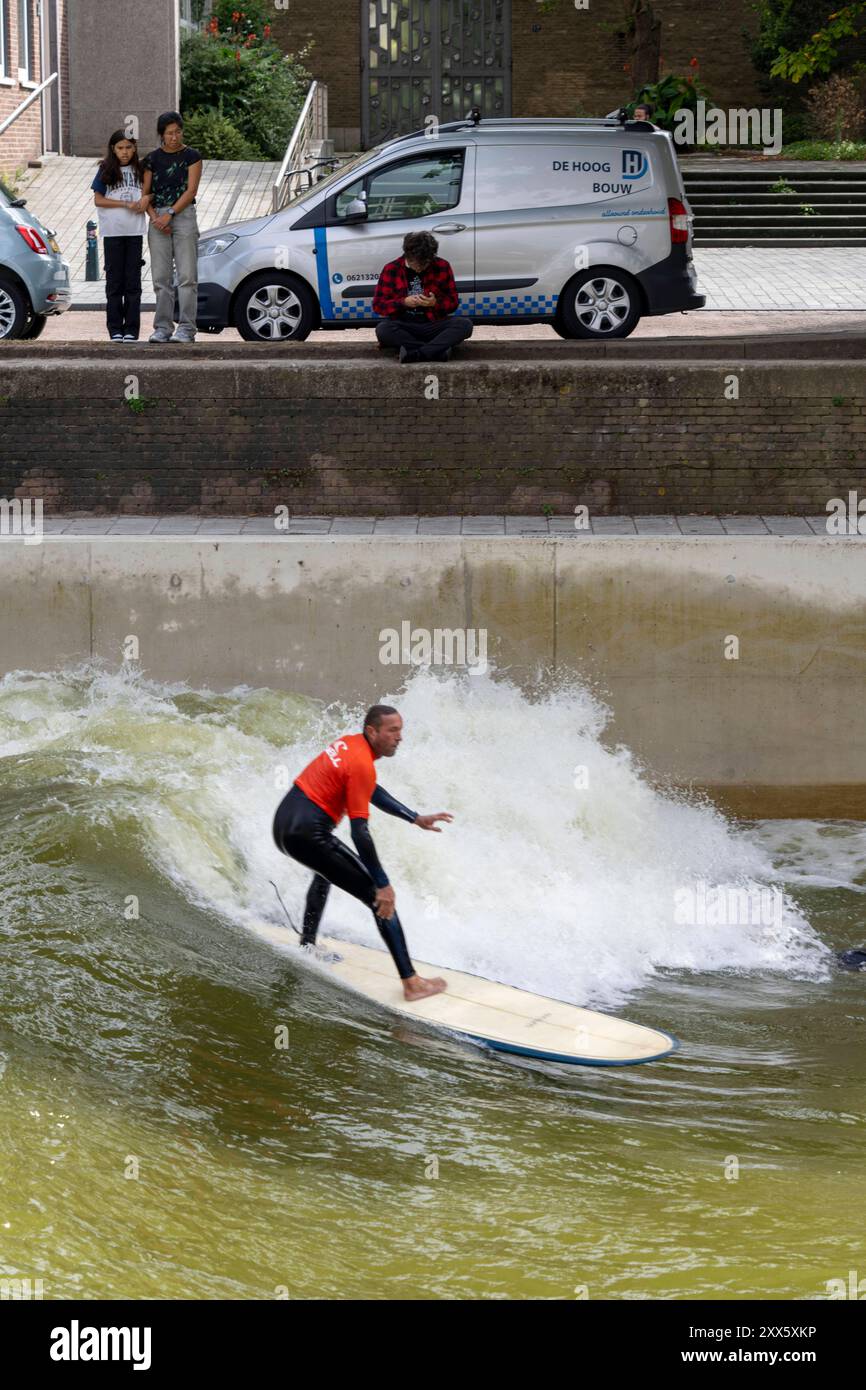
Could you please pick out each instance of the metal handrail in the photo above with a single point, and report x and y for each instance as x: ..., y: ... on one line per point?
x: 311, y: 126
x: 28, y: 101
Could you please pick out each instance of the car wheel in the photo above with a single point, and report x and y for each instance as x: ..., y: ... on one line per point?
x: 274, y: 308
x: 600, y: 303
x: 34, y: 326
x: 14, y: 310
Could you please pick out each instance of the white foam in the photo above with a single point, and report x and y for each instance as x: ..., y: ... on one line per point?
x: 539, y: 884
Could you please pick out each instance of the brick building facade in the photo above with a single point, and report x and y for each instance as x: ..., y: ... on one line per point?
x: 558, y: 62
x: 115, y: 59
x: 33, y: 44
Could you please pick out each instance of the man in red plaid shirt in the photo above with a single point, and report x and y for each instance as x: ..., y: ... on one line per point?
x: 416, y: 297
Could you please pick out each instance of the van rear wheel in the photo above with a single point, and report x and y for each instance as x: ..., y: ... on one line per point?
x: 274, y: 308
x: 600, y: 303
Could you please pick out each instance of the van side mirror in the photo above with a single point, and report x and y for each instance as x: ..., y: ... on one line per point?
x: 356, y: 211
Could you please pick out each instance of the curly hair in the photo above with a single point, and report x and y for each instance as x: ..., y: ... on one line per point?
x: 420, y: 246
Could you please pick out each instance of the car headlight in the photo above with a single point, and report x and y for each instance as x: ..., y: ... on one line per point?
x: 215, y: 245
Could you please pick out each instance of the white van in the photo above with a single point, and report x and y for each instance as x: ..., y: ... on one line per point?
x: 582, y: 224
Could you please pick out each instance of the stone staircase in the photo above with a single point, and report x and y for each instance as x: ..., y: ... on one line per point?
x: 776, y: 203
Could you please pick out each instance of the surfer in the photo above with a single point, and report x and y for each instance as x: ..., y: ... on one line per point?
x: 342, y: 781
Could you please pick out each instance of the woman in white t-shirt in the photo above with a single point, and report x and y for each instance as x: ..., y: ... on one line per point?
x: 122, y: 224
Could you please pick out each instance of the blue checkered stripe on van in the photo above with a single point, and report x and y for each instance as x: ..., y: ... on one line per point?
x: 358, y: 310
x: 491, y: 306
x: 481, y: 306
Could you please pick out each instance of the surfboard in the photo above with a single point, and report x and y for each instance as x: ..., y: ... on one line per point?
x: 491, y: 1015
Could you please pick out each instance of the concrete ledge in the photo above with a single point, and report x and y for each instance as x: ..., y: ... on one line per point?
x: 647, y: 622
x: 836, y: 344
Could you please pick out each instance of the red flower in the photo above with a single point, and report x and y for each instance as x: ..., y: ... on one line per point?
x: 694, y: 63
x: 267, y: 31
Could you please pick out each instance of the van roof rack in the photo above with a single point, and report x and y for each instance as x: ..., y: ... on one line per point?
x: 475, y: 120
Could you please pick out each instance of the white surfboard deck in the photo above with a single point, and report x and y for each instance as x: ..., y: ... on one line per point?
x: 493, y: 1015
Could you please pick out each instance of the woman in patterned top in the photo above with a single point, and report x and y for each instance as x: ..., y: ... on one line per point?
x: 172, y: 175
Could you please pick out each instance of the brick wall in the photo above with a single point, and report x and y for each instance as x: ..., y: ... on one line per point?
x: 333, y: 27
x: 359, y: 436
x: 23, y: 140
x: 573, y: 62
x: 563, y: 61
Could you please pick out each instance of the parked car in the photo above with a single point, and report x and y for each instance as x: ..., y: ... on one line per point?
x: 582, y: 224
x: 34, y: 277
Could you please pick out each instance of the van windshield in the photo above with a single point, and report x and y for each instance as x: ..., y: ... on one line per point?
x: 345, y: 167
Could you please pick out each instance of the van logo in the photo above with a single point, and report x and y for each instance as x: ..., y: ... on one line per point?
x: 634, y: 164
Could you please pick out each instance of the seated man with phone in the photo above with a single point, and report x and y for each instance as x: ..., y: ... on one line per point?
x: 415, y: 298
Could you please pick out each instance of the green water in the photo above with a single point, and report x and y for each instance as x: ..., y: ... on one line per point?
x: 370, y: 1160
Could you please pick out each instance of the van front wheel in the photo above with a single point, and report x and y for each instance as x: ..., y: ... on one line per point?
x: 600, y: 303
x: 274, y: 308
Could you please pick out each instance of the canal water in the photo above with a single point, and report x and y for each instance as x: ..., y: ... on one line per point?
x: 159, y: 1141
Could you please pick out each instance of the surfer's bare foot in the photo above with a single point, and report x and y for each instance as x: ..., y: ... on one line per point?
x: 417, y: 988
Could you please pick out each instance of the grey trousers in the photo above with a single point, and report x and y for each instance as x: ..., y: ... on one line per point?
x: 176, y: 248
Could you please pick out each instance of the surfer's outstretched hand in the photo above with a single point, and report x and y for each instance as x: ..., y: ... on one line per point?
x: 429, y: 822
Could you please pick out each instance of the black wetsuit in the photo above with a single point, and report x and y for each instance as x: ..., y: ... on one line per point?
x: 306, y: 833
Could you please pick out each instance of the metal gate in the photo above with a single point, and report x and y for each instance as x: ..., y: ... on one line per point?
x: 432, y: 58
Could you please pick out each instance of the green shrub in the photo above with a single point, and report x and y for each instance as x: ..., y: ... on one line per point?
x: 825, y: 149
x: 789, y: 26
x: 795, y: 126
x: 214, y: 136
x: 670, y: 95
x: 254, y: 86
x: 252, y: 17
x: 835, y: 109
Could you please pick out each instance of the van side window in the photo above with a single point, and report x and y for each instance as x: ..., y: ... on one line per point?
x: 415, y: 188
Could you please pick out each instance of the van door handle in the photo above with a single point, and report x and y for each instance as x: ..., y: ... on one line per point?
x: 448, y: 228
